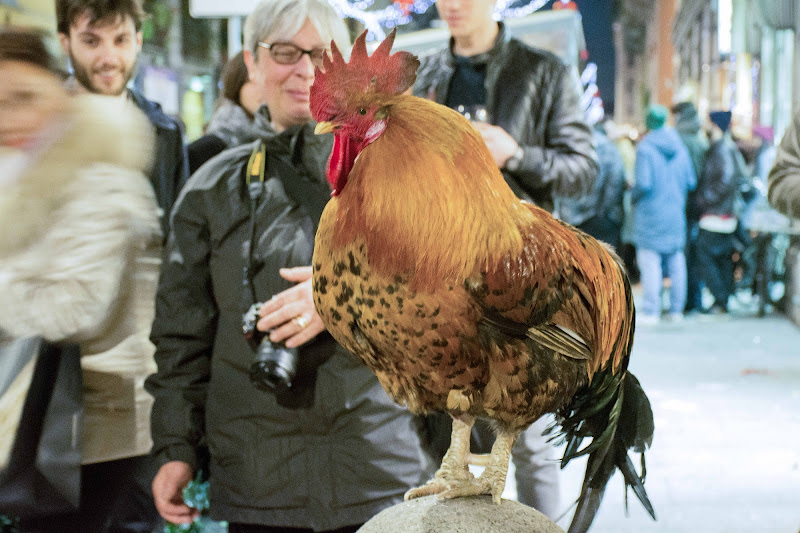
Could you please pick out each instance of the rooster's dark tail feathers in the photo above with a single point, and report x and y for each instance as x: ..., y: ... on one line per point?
x: 616, y: 413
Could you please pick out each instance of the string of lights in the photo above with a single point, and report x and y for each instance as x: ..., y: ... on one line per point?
x: 400, y: 12
x: 396, y: 14
x: 503, y: 11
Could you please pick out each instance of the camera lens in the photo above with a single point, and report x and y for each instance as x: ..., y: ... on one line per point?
x: 274, y: 367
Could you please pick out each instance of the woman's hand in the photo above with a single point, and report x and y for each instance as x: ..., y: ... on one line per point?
x: 167, y: 489
x: 290, y: 315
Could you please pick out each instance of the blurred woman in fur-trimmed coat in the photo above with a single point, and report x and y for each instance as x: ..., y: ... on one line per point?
x: 79, y: 257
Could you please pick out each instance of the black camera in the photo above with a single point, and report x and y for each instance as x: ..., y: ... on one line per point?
x: 274, y: 366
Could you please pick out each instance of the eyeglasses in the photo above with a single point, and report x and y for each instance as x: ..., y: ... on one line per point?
x: 289, y: 54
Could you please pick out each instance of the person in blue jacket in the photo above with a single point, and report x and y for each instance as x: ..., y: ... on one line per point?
x: 664, y: 177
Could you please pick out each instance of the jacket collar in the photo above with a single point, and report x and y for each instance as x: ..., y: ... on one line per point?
x: 299, y: 143
x: 232, y: 124
x: 283, y: 142
x: 262, y: 121
x: 152, y: 110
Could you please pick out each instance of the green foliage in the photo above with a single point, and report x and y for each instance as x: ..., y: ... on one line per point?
x: 155, y: 28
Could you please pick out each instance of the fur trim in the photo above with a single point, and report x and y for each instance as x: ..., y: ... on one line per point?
x: 99, y: 129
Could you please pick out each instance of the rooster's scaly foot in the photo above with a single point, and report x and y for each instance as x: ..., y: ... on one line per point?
x: 446, y: 479
x: 493, y: 479
x: 454, y: 470
x: 485, y: 484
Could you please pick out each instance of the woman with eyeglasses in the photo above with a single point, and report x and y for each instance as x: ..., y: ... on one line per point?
x: 293, y: 432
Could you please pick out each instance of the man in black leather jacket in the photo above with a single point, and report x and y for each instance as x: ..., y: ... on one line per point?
x: 536, y: 129
x: 525, y: 103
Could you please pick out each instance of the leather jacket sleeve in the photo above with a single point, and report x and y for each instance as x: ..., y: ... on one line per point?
x: 784, y: 178
x: 566, y: 161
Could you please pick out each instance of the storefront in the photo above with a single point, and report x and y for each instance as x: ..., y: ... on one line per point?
x: 779, y: 90
x: 741, y: 55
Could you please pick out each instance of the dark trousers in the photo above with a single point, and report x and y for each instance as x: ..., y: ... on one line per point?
x: 694, y: 281
x: 115, y: 498
x: 252, y: 528
x: 715, y: 257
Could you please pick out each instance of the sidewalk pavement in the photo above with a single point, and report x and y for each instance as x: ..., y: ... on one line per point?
x: 725, y: 392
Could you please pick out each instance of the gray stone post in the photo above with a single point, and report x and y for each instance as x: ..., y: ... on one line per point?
x: 461, y: 515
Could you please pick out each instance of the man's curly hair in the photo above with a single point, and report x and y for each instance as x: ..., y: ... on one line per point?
x: 100, y: 11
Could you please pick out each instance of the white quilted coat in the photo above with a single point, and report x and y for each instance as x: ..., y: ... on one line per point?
x: 79, y: 259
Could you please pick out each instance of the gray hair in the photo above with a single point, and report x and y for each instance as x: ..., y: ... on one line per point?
x: 282, y: 19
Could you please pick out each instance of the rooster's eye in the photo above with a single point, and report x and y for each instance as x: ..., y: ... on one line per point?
x: 362, y: 111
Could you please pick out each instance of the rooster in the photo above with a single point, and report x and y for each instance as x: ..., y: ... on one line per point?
x: 459, y: 296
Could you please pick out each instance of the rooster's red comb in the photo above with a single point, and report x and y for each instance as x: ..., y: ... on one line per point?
x: 381, y: 72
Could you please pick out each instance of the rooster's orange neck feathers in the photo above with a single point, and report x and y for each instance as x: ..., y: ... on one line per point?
x: 426, y: 197
x: 428, y: 200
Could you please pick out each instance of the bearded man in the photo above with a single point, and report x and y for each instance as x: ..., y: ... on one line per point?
x: 103, y: 39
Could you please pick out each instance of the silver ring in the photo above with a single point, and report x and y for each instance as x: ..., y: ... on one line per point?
x: 302, y: 320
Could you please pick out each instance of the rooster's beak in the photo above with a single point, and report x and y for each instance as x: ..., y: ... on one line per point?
x: 324, y: 127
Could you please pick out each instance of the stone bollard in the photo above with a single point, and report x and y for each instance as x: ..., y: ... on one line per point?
x: 461, y: 515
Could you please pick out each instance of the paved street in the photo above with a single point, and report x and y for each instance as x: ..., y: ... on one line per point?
x: 726, y: 454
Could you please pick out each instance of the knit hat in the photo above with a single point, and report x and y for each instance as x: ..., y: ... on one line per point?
x: 656, y: 116
x: 721, y: 118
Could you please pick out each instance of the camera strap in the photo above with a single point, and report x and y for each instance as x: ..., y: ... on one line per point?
x: 301, y: 188
x: 256, y: 165
x: 254, y: 178
x: 304, y: 191
x: 312, y: 196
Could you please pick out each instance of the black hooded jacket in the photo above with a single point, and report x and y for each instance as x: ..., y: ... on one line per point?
x: 688, y: 126
x: 719, y: 184
x: 331, y: 452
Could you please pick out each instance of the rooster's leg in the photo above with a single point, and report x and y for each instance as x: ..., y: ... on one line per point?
x: 454, y: 469
x: 493, y: 479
